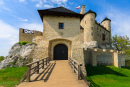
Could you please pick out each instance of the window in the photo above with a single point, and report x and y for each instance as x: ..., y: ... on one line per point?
x: 92, y: 34
x: 91, y: 19
x: 91, y: 28
x: 103, y: 37
x: 61, y: 25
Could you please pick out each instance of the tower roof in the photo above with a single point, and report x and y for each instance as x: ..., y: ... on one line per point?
x: 58, y: 11
x: 106, y: 19
x: 90, y: 11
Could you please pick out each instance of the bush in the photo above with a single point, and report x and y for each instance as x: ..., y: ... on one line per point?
x: 1, y: 58
x: 127, y: 62
x: 24, y: 43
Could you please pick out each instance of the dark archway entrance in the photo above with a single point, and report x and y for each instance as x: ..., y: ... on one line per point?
x: 60, y: 52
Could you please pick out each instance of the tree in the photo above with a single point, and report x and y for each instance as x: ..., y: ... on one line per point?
x: 121, y: 43
x: 1, y: 58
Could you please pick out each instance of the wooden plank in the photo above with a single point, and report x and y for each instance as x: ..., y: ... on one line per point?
x: 34, y: 68
x: 24, y: 76
x: 37, y: 66
x: 74, y: 67
x: 35, y: 61
x: 46, y: 62
x: 79, y: 77
x: 28, y: 73
x: 43, y: 64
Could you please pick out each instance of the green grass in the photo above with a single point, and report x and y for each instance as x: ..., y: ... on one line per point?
x: 108, y: 76
x: 9, y: 77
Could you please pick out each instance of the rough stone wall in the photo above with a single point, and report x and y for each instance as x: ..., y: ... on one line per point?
x: 27, y: 36
x: 104, y: 57
x: 93, y: 32
x: 98, y: 35
x: 52, y: 36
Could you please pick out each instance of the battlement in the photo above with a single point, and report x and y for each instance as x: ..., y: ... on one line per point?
x: 105, y: 50
x: 97, y: 56
x: 28, y: 35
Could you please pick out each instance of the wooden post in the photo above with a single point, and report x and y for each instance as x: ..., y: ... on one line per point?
x: 28, y: 73
x: 79, y: 72
x: 38, y: 67
x: 46, y: 61
x: 74, y: 68
x: 43, y: 64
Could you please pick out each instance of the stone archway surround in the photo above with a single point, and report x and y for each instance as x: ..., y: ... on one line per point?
x: 53, y: 43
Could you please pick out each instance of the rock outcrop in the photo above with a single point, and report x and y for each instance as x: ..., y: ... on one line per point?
x: 18, y: 55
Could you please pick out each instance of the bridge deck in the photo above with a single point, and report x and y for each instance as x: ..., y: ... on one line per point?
x: 56, y: 75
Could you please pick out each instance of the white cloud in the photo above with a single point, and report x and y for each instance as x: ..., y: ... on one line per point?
x: 21, y: 19
x: 8, y: 36
x: 33, y: 26
x: 59, y: 2
x: 39, y: 4
x: 3, y: 7
x: 1, y: 2
x: 119, y: 21
x: 22, y: 0
x: 48, y: 6
x: 49, y: 3
x: 8, y: 32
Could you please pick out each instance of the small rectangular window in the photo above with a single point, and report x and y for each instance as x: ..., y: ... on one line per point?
x: 91, y: 19
x: 91, y: 28
x: 103, y: 37
x: 61, y: 25
x: 92, y: 34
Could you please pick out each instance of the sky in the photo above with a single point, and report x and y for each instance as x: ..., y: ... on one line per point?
x: 15, y: 14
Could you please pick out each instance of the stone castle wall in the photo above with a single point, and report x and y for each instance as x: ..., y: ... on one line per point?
x: 52, y: 36
x: 104, y: 57
x: 93, y: 31
x: 28, y: 35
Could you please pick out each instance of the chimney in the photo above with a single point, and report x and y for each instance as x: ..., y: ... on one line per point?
x: 82, y: 9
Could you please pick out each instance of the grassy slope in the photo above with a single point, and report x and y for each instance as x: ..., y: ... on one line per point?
x: 11, y: 76
x: 108, y: 76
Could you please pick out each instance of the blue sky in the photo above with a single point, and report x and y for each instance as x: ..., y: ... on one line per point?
x: 15, y: 14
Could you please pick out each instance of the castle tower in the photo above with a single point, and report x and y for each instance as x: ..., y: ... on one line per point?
x: 107, y: 24
x: 89, y: 26
x: 82, y: 9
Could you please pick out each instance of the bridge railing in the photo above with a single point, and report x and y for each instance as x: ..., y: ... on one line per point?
x: 34, y: 67
x: 76, y: 66
x: 77, y: 69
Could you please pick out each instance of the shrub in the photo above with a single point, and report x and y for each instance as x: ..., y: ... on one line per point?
x: 1, y: 58
x: 24, y: 42
x: 127, y: 62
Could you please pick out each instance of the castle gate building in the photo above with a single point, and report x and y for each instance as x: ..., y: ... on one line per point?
x: 70, y: 34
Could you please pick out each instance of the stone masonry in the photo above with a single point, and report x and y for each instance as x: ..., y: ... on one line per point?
x: 87, y: 41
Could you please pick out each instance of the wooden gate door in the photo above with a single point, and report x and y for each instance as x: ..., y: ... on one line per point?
x: 60, y: 52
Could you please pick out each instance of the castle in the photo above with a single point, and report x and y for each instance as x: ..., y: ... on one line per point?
x: 70, y: 34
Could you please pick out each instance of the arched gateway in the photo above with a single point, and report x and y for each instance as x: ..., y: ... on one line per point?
x: 60, y: 52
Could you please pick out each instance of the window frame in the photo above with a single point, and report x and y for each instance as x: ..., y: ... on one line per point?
x: 59, y: 25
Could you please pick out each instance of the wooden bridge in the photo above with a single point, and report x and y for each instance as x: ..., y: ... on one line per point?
x: 59, y: 73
